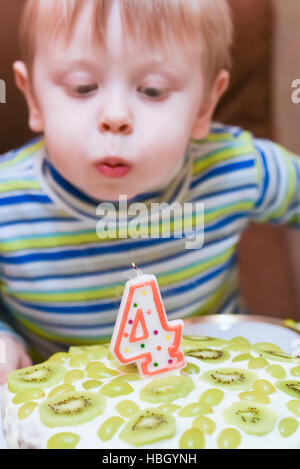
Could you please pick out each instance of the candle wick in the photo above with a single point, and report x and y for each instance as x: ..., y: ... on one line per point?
x: 138, y: 271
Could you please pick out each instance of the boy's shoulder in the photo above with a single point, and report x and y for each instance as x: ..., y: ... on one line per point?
x: 223, y: 144
x: 18, y: 163
x: 224, y: 136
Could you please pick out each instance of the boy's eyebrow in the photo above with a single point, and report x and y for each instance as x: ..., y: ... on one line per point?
x: 155, y: 62
x: 76, y: 63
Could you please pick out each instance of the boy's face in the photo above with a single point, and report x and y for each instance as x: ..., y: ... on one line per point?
x: 138, y: 105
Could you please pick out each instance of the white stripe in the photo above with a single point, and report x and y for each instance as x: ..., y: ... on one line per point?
x: 159, y: 266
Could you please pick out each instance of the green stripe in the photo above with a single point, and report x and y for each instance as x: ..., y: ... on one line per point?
x: 176, y: 225
x: 228, y: 209
x: 221, y: 137
x: 215, y: 299
x: 18, y: 184
x: 116, y: 290
x: 23, y: 154
x: 63, y: 339
x: 217, y: 156
x: 181, y: 274
x: 291, y: 185
x: 83, y: 237
x: 258, y: 169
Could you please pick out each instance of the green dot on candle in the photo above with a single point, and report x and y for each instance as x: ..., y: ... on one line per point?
x: 155, y: 364
x: 142, y: 345
x: 135, y: 305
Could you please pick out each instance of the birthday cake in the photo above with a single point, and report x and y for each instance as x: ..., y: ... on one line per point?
x: 229, y: 394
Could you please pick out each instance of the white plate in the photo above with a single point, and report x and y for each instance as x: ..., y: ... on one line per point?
x: 254, y: 328
x: 2, y: 441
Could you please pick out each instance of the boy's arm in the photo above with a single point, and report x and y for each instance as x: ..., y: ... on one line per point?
x: 278, y: 179
x: 13, y: 352
x: 6, y: 329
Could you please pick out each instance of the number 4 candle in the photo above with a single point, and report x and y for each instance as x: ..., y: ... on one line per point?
x: 142, y: 333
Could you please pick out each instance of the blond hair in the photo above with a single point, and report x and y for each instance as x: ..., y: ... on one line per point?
x: 153, y: 22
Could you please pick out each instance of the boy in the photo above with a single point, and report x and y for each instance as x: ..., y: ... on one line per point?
x: 124, y: 92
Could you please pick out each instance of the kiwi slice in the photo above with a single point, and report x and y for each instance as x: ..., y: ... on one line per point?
x: 292, y: 388
x: 166, y: 389
x: 131, y: 368
x: 71, y: 408
x: 230, y: 378
x: 63, y: 441
x: 208, y: 355
x: 147, y: 426
x: 266, y: 347
x: 279, y: 356
x: 93, y: 352
x: 254, y: 419
x: 189, y: 342
x: 190, y: 369
x: 43, y: 375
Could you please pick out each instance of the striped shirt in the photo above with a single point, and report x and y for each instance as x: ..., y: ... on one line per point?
x: 62, y: 284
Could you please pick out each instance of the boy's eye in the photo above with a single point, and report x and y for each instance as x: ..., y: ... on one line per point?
x: 152, y: 92
x: 85, y: 89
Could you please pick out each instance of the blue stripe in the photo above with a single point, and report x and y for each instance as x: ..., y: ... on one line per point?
x: 12, y: 179
x: 266, y: 178
x: 8, y: 156
x: 210, y: 195
x: 37, y: 220
x: 297, y: 170
x: 235, y: 132
x: 23, y: 199
x: 200, y: 280
x: 226, y: 221
x: 87, y: 252
x: 231, y: 298
x: 96, y: 308
x: 278, y: 183
x: 114, y: 305
x: 229, y: 168
x: 70, y: 189
x: 47, y: 235
x: 143, y: 267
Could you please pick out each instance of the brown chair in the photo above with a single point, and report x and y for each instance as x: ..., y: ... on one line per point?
x: 265, y: 271
x: 266, y: 275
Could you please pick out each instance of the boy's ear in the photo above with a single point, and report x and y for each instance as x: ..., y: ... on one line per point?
x: 22, y: 81
x: 203, y: 121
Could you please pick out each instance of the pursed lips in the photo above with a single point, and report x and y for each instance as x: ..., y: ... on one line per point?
x: 113, y: 167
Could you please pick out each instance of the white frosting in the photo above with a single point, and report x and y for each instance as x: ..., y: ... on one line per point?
x: 31, y: 432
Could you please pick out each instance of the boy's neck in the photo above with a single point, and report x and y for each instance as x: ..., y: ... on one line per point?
x: 82, y: 205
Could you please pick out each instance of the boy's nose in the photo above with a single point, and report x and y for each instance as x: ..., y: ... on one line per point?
x: 115, y: 126
x: 115, y: 116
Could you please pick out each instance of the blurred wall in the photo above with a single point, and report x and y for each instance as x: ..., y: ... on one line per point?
x: 286, y: 69
x: 266, y: 277
x: 286, y: 113
x: 14, y: 129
